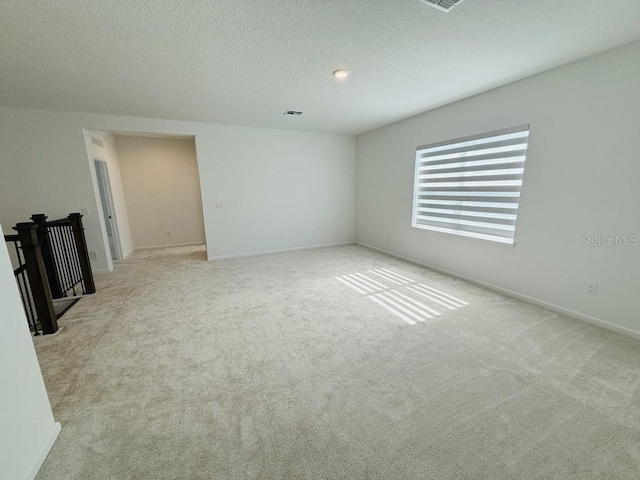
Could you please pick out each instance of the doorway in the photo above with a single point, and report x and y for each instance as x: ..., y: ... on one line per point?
x: 108, y: 209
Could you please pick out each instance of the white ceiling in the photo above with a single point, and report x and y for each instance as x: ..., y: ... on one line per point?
x: 244, y: 62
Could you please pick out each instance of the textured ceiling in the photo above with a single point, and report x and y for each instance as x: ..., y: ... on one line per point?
x: 245, y: 62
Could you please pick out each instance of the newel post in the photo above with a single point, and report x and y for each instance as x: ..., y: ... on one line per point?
x: 46, y: 250
x: 83, y: 252
x: 38, y: 282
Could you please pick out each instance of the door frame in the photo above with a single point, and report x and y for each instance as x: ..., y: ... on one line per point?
x: 103, y: 166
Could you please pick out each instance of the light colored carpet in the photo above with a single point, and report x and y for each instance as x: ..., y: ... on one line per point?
x: 273, y: 368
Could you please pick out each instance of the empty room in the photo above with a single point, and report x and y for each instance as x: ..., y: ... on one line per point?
x: 318, y: 239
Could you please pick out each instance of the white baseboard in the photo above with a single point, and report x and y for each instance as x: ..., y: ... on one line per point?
x: 44, y: 450
x: 103, y: 270
x: 284, y: 250
x: 519, y: 296
x: 153, y: 247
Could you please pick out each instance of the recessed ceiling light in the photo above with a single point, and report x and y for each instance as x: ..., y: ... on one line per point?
x: 341, y: 73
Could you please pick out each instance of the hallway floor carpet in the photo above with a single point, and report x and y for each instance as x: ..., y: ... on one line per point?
x: 337, y: 363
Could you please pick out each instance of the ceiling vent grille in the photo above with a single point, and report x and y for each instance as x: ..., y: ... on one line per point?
x: 292, y: 113
x: 444, y: 5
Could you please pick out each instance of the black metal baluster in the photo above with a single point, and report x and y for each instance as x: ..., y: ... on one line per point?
x: 26, y: 303
x: 59, y: 270
x: 69, y: 241
x: 31, y: 315
x: 67, y: 252
x: 18, y: 254
x: 23, y: 287
x: 74, y: 256
x: 76, y: 261
x: 61, y: 258
x: 21, y: 290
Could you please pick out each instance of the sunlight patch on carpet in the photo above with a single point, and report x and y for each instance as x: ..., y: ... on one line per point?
x: 383, y: 287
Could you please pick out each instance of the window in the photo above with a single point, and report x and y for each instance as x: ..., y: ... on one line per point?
x: 471, y: 186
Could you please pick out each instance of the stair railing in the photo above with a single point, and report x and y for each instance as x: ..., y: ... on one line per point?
x: 53, y: 263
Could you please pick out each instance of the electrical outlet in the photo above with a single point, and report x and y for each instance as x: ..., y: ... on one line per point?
x: 219, y: 205
x: 84, y: 211
x: 93, y: 254
x: 592, y: 289
x: 388, y: 238
x: 283, y: 238
x: 168, y: 234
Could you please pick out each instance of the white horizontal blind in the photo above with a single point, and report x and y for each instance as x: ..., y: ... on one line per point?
x: 444, y: 5
x: 471, y: 186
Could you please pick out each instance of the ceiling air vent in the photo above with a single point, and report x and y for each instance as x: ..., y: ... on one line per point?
x: 444, y: 5
x: 292, y: 113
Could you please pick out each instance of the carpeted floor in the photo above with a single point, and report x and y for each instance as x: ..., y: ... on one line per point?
x: 292, y: 366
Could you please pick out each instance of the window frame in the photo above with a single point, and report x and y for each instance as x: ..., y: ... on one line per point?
x: 461, y: 232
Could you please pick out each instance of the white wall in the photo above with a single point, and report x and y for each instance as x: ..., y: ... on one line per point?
x: 162, y: 188
x: 276, y: 182
x: 27, y: 428
x: 271, y: 181
x: 109, y: 154
x: 582, y: 178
